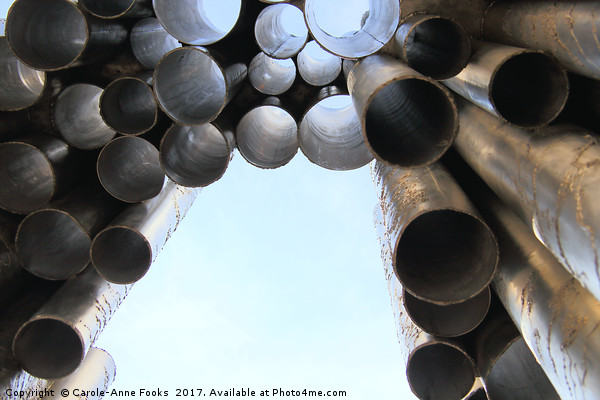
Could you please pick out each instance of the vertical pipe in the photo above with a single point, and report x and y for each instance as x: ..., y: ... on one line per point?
x: 271, y: 76
x: 150, y: 41
x: 118, y: 8
x: 317, y: 66
x: 280, y: 30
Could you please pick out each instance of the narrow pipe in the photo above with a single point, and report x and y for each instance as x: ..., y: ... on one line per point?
x: 280, y: 30
x: 352, y: 32
x: 54, y: 242
x: 442, y: 251
x: 432, y: 45
x: 318, y: 67
x: 77, y: 117
x: 550, y: 179
x: 568, y: 30
x: 449, y: 320
x: 271, y: 76
x: 436, y: 368
x: 109, y: 9
x: 56, y: 34
x: 124, y: 251
x: 192, y: 87
x: 407, y: 119
x: 527, y: 88
x: 150, y: 41
x: 330, y: 135
x: 53, y: 343
x: 129, y: 169
x: 267, y: 136
x: 197, y: 22
x: 34, y: 170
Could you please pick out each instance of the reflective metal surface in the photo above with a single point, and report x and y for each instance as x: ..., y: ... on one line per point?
x: 317, y: 66
x: 271, y: 76
x: 280, y: 31
x: 150, y: 41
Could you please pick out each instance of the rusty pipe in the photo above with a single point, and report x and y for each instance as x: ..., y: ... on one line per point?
x: 280, y: 31
x: 270, y: 75
x: 527, y: 88
x: 407, y: 119
x: 109, y: 9
x: 150, y: 41
x: 317, y: 66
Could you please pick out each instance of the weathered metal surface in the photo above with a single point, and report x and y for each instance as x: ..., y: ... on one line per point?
x: 279, y: 31
x: 150, y: 41
x: 271, y: 76
x: 118, y: 8
x: 317, y: 66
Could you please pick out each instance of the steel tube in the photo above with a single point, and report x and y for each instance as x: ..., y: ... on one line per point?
x: 432, y: 45
x: 316, y: 66
x: 352, y: 32
x: 77, y: 117
x: 477, y: 392
x: 118, y: 8
x: 329, y: 133
x: 425, y: 209
x: 53, y: 343
x: 271, y: 76
x: 192, y: 87
x: 568, y: 30
x: 56, y: 34
x: 280, y: 30
x: 550, y: 179
x: 524, y: 87
x: 150, y: 41
x: 407, y: 119
x: 124, y: 251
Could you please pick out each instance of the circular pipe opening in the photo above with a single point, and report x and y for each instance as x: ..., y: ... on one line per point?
x: 352, y: 32
x: 48, y: 348
x: 445, y: 256
x: 267, y: 137
x: 129, y: 169
x: 318, y: 67
x: 410, y: 122
x: 150, y: 41
x: 330, y: 135
x: 121, y: 254
x: 21, y: 85
x: 280, y: 30
x: 190, y: 86
x: 271, y: 76
x: 46, y: 34
x: 128, y: 106
x: 107, y: 9
x: 529, y: 89
x: 194, y: 156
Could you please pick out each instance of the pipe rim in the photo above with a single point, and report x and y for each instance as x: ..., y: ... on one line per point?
x: 97, y: 11
x: 275, y: 75
x: 308, y: 73
x: 267, y: 39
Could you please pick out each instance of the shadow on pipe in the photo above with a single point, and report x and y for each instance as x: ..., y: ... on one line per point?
x: 271, y: 76
x: 280, y: 30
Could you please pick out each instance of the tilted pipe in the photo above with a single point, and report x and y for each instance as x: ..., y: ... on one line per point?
x: 407, y: 119
x: 150, y: 41
x: 280, y: 31
x: 551, y: 179
x: 271, y: 76
x: 118, y: 8
x: 524, y: 87
x: 316, y: 66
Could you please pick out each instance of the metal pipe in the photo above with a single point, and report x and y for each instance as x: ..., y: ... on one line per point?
x: 432, y: 45
x: 448, y: 320
x: 34, y: 170
x: 270, y: 75
x: 407, y: 119
x: 53, y: 343
x: 330, y: 135
x: 316, y: 66
x: 524, y: 87
x: 54, y: 242
x: 129, y: 169
x: 77, y: 117
x: 550, y: 179
x: 118, y: 8
x: 352, y: 32
x: 197, y: 22
x: 124, y: 251
x: 267, y: 135
x: 477, y: 392
x: 280, y: 30
x: 442, y: 251
x: 568, y: 30
x: 55, y: 34
x: 192, y: 87
x: 150, y: 41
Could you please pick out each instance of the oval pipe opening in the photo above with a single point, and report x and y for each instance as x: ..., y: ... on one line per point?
x: 318, y: 67
x: 21, y: 85
x: 270, y: 75
x: 280, y: 30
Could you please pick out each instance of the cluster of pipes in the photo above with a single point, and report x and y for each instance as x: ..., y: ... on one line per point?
x: 115, y: 113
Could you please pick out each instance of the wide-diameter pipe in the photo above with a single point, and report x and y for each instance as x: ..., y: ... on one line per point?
x: 118, y: 8
x: 124, y: 251
x: 129, y: 169
x: 352, y: 32
x: 330, y: 135
x: 56, y: 34
x: 77, y: 117
x: 197, y: 22
x: 150, y: 41
x: 524, y: 87
x: 436, y: 368
x: 271, y: 76
x: 280, y: 30
x: 443, y: 252
x: 192, y: 87
x: 54, y: 342
x: 568, y: 30
x: 407, y: 119
x: 551, y: 179
x: 318, y: 67
x: 432, y: 45
x: 267, y: 136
